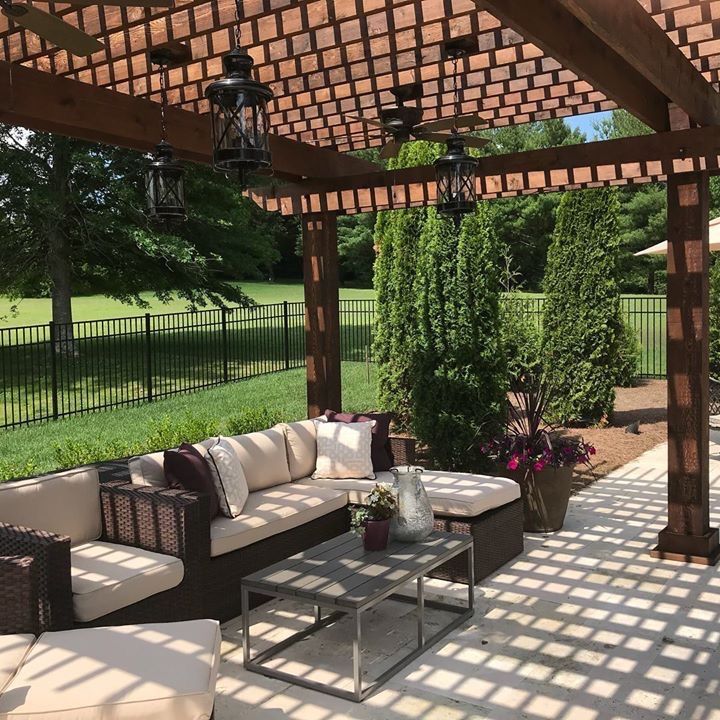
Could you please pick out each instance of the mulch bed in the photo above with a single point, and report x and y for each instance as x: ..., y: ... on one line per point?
x: 646, y: 404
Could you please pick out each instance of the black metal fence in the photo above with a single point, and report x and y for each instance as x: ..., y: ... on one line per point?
x: 53, y: 371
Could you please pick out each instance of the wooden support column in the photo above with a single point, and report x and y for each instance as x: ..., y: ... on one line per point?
x: 322, y: 312
x: 688, y: 536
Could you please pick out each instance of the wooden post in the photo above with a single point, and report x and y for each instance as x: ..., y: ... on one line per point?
x: 688, y: 536
x: 322, y: 312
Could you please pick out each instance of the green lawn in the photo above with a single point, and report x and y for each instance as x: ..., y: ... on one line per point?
x: 153, y: 426
x: 33, y: 311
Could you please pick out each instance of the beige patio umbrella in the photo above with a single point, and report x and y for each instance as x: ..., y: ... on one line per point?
x: 661, y: 247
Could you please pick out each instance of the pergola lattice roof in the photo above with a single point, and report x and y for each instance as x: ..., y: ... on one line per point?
x: 327, y: 58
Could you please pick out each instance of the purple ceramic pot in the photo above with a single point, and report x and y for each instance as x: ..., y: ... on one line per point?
x: 375, y: 536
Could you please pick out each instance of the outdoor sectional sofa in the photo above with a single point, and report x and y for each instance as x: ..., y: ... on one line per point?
x: 129, y: 549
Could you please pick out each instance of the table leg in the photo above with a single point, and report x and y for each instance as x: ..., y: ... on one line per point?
x: 471, y: 578
x: 357, y: 657
x: 318, y: 614
x: 421, y: 611
x: 245, y: 599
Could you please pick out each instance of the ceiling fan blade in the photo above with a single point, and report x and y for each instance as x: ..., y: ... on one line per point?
x: 391, y: 149
x: 53, y: 29
x: 462, y: 121
x: 365, y: 121
x: 432, y: 136
x: 122, y: 3
x: 476, y: 142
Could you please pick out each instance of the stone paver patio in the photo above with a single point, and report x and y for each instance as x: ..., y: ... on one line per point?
x: 584, y: 625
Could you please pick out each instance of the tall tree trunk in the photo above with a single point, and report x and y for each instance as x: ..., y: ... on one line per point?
x: 58, y: 257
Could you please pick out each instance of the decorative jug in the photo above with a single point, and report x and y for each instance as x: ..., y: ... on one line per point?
x: 414, y: 518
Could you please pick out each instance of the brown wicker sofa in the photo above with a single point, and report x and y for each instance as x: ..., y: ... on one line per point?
x: 139, y: 511
x: 487, y: 508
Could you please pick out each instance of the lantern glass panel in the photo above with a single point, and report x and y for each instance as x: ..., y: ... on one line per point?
x: 165, y: 190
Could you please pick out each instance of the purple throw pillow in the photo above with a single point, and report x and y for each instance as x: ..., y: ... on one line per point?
x: 187, y: 469
x: 381, y: 458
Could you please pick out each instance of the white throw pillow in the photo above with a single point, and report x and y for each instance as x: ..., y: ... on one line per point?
x: 343, y: 450
x: 229, y: 477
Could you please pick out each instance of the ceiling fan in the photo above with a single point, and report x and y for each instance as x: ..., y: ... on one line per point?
x: 55, y: 30
x: 403, y: 123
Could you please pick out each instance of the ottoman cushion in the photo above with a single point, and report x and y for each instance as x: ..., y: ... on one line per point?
x: 131, y: 672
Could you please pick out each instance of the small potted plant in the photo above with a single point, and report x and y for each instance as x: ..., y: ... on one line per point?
x: 372, y: 520
x: 533, y: 453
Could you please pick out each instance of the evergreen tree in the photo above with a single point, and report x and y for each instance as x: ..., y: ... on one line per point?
x: 459, y: 390
x: 582, y: 323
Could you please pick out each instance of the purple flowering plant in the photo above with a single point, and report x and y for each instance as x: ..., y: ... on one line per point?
x: 529, y: 441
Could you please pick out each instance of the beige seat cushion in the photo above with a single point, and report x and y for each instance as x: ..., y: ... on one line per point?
x: 453, y: 494
x: 301, y: 443
x: 272, y: 511
x: 149, y: 469
x: 66, y: 503
x: 107, y: 577
x: 132, y: 672
x: 263, y: 457
x: 13, y: 649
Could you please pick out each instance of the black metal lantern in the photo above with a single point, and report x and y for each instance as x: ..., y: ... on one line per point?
x: 164, y: 176
x: 238, y: 109
x: 455, y: 174
x: 165, y: 185
x: 456, y: 170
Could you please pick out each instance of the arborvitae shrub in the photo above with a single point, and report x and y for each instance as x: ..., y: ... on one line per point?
x: 582, y: 320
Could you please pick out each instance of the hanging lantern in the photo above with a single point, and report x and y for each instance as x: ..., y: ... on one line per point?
x: 164, y: 176
x: 165, y: 185
x: 455, y: 174
x: 240, y: 126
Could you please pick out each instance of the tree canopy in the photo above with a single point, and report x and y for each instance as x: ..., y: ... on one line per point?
x: 76, y: 223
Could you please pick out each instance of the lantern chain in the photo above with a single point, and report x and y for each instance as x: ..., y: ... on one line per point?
x: 163, y: 100
x: 456, y: 93
x: 238, y: 14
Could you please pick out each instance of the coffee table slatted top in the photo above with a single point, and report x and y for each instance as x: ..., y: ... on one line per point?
x: 341, y: 573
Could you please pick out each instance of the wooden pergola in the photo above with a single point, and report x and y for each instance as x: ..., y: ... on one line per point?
x: 325, y: 59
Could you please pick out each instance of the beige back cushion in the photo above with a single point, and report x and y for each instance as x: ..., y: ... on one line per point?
x: 66, y: 503
x: 301, y: 442
x: 149, y: 469
x: 263, y: 457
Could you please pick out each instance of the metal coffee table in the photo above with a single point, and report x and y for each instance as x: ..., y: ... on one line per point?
x: 340, y: 576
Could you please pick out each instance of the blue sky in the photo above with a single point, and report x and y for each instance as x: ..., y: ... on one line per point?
x: 585, y: 123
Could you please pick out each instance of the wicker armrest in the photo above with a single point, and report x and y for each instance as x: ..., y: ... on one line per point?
x: 162, y: 520
x: 402, y: 450
x: 51, y: 565
x: 19, y: 595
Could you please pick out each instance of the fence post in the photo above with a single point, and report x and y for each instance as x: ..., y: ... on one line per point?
x: 225, y: 343
x: 53, y: 369
x: 286, y: 334
x: 148, y: 357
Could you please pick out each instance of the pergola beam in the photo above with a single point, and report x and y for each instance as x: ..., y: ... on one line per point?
x: 41, y: 101
x: 609, y: 162
x: 632, y: 33
x: 561, y: 35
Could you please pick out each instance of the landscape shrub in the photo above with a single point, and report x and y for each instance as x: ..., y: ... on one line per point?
x: 629, y: 352
x: 251, y: 420
x: 715, y: 319
x: 459, y: 389
x: 441, y: 366
x: 582, y: 320
x: 168, y: 431
x: 14, y: 470
x: 522, y: 340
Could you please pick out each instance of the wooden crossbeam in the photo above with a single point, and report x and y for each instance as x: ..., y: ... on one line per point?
x: 611, y: 162
x: 561, y: 35
x: 632, y: 33
x: 41, y: 101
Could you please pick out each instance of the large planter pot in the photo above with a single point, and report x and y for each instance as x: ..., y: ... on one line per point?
x: 376, y: 534
x: 414, y: 519
x: 545, y: 496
